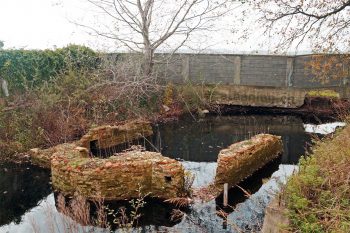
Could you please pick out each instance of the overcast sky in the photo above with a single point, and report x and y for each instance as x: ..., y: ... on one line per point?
x: 40, y: 24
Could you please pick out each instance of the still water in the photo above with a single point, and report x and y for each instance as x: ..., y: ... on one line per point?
x: 26, y: 195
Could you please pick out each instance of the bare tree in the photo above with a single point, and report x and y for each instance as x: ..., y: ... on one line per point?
x: 324, y: 23
x: 144, y: 26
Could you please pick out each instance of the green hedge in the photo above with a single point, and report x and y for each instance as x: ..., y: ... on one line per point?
x: 24, y: 69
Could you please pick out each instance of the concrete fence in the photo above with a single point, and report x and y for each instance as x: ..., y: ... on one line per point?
x: 247, y: 70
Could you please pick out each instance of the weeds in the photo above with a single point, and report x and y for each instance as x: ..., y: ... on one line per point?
x: 318, y: 197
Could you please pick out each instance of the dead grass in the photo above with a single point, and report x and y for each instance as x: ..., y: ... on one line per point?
x: 318, y: 197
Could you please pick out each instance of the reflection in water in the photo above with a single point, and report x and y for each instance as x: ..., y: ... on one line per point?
x: 323, y: 128
x: 154, y: 212
x: 196, y: 144
x: 21, y: 188
x: 250, y: 185
x: 201, y: 141
x: 248, y: 215
x: 204, y: 172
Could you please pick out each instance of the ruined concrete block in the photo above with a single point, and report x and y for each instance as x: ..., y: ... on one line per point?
x: 242, y: 159
x: 106, y: 136
x: 123, y: 176
x: 110, y: 136
x: 42, y: 157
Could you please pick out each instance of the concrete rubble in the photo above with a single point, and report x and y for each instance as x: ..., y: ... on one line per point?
x: 123, y: 176
x: 104, y: 137
x: 242, y: 159
x: 129, y: 174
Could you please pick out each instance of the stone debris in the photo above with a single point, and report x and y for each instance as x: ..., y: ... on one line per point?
x: 106, y: 136
x: 109, y: 136
x: 135, y: 172
x: 242, y: 159
x: 123, y: 176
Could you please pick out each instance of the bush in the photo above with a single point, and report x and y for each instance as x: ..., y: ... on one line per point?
x: 318, y: 197
x: 25, y: 69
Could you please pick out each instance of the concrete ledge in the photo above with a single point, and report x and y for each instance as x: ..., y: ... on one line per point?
x: 256, y: 96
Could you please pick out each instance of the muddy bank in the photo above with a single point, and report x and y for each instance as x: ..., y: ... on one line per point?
x: 322, y: 108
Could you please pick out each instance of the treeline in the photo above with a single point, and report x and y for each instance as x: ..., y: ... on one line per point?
x: 25, y: 69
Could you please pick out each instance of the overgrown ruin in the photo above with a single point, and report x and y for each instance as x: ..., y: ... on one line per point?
x: 100, y: 141
x: 123, y: 176
x: 105, y: 140
x: 239, y: 161
x: 97, y: 167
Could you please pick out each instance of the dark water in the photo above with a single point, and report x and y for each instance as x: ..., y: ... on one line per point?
x: 197, y: 144
x: 21, y: 188
x: 201, y: 141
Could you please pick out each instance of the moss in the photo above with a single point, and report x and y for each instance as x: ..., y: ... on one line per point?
x: 323, y: 93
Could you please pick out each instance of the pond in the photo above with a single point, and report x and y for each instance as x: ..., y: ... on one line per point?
x: 27, y: 201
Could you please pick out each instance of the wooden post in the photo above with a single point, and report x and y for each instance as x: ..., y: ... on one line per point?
x: 225, y: 194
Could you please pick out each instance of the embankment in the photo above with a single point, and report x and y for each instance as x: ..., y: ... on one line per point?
x: 317, y: 199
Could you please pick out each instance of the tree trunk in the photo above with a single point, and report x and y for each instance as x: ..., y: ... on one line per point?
x: 148, y: 60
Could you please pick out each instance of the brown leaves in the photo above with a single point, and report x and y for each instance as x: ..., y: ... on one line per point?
x: 328, y: 68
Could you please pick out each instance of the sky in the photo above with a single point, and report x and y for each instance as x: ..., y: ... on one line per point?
x: 37, y: 24
x: 41, y: 24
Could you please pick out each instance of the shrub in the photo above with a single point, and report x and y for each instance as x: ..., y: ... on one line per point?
x: 25, y: 69
x: 318, y: 197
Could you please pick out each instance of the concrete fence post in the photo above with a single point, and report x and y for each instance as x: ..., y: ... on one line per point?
x: 237, y: 70
x: 185, y: 72
x: 289, y: 71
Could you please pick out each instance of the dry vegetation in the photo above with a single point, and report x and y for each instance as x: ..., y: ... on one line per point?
x: 65, y: 107
x: 318, y: 197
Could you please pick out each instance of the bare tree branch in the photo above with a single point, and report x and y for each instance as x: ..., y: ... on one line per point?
x: 145, y: 25
x: 323, y: 22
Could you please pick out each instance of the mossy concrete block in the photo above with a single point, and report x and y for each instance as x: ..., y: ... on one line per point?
x: 106, y: 136
x: 242, y: 159
x: 42, y: 157
x: 124, y: 176
x: 112, y: 135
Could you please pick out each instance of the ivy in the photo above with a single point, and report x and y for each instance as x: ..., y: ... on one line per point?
x: 25, y: 69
